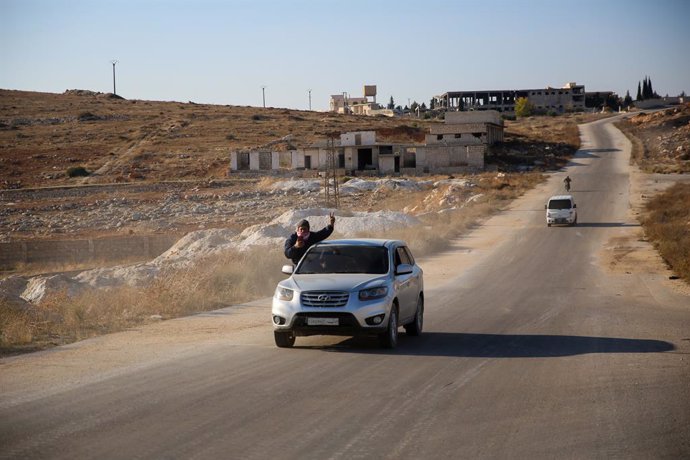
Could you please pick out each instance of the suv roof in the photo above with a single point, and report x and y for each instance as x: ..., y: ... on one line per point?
x: 360, y: 242
x: 562, y: 197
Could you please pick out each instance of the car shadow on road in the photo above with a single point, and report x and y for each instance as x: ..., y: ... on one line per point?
x: 467, y: 345
x: 605, y: 224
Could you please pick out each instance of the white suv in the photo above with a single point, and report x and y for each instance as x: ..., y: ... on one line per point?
x: 350, y: 287
x: 561, y: 209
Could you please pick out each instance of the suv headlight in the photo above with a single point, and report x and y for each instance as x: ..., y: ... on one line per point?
x: 373, y: 293
x: 284, y: 293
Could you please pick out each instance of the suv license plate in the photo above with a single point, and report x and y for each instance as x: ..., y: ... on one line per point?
x: 322, y: 321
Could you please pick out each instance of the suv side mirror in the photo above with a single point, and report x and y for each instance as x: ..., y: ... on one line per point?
x: 574, y: 205
x: 544, y: 206
x: 403, y: 269
x: 287, y: 269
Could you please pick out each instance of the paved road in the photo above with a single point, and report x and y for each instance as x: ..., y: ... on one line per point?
x: 534, y: 352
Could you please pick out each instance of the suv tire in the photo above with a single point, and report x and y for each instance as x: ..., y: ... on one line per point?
x: 415, y: 327
x: 284, y: 339
x: 389, y: 339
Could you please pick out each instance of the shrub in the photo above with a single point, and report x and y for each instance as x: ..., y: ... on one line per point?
x: 77, y: 171
x: 88, y: 116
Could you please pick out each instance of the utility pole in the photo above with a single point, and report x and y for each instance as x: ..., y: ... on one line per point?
x: 263, y: 93
x: 113, y: 62
x: 310, y: 100
x: 330, y: 178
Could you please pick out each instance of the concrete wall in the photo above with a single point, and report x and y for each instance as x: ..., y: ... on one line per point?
x: 79, y: 251
x: 387, y: 164
x: 441, y: 158
x: 365, y: 138
x: 483, y: 116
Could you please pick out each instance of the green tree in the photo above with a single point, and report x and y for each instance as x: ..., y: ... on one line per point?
x: 523, y: 107
x: 612, y: 101
x: 391, y: 104
x: 639, y: 92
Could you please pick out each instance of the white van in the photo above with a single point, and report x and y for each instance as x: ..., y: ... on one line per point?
x: 561, y: 209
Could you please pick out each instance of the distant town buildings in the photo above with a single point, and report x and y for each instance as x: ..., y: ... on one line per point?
x: 569, y: 98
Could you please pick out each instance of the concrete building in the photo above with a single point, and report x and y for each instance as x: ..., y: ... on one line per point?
x: 569, y: 98
x: 458, y: 145
x: 343, y: 103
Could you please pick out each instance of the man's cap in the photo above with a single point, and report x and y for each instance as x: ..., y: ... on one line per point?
x: 303, y: 223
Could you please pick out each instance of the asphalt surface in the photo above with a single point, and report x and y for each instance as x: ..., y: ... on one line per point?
x: 534, y: 352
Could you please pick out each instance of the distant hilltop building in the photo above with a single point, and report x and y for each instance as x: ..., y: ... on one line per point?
x: 569, y: 98
x: 343, y: 103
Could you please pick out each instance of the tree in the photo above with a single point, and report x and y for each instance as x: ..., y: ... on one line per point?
x: 523, y: 107
x: 613, y: 101
x: 414, y: 106
x: 639, y: 92
x: 432, y: 103
x: 391, y: 104
x: 627, y: 101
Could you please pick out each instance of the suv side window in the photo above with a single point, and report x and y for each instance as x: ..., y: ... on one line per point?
x: 409, y: 254
x: 401, y: 256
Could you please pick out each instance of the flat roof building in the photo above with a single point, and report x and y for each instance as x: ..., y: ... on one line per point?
x: 569, y: 98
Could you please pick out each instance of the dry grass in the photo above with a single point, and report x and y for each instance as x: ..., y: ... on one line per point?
x: 667, y: 225
x: 211, y: 283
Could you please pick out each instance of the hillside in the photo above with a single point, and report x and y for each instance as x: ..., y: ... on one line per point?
x: 661, y: 139
x: 44, y: 134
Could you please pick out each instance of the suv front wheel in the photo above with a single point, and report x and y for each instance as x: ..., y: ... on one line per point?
x: 389, y: 339
x: 284, y: 339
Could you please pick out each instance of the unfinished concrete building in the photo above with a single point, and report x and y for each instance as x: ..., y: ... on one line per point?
x: 569, y: 98
x: 458, y: 145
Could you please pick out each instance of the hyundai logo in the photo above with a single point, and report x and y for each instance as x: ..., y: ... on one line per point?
x: 324, y: 298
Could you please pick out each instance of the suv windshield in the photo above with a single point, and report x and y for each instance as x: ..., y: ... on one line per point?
x: 559, y: 204
x: 345, y: 259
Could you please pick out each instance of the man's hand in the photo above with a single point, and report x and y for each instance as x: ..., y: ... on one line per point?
x: 299, y: 243
x: 332, y: 218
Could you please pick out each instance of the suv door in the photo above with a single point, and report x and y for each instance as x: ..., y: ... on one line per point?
x: 407, y: 285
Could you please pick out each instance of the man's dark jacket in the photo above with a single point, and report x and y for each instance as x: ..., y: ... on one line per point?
x: 291, y: 252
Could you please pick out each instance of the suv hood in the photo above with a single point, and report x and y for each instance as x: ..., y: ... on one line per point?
x: 334, y: 282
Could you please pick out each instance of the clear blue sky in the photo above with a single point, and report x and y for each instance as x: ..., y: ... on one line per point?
x: 223, y: 52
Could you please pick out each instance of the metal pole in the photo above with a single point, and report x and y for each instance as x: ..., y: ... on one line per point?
x: 309, y: 100
x: 113, y: 63
x: 263, y: 93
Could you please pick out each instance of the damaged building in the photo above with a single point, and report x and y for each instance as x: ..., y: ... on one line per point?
x: 457, y: 145
x: 569, y: 98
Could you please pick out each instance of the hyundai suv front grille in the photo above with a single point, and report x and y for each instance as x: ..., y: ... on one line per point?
x: 324, y: 298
